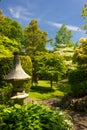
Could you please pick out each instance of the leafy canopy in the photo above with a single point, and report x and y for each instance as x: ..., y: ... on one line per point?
x: 51, y: 66
x: 34, y: 39
x: 8, y: 46
x: 63, y: 36
x: 10, y: 28
x: 80, y: 55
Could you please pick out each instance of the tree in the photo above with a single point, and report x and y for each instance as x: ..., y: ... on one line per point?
x: 64, y: 45
x: 84, y: 15
x: 78, y: 77
x: 50, y: 66
x: 63, y: 36
x: 10, y: 28
x: 8, y: 46
x: 67, y: 53
x: 80, y: 55
x: 34, y: 39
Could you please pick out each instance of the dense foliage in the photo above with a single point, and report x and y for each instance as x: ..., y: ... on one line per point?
x: 8, y: 46
x: 80, y: 55
x: 78, y: 81
x: 34, y: 39
x: 77, y: 78
x: 10, y: 28
x: 33, y: 117
x: 51, y: 66
x: 6, y: 64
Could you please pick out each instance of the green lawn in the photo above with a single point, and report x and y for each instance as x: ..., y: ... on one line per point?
x: 43, y: 91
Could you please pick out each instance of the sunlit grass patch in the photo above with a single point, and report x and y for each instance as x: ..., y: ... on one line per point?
x: 43, y: 90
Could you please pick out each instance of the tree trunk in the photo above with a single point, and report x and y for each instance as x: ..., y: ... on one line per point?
x: 51, y: 83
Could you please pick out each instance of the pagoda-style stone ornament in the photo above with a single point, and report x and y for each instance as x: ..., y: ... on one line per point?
x: 17, y: 77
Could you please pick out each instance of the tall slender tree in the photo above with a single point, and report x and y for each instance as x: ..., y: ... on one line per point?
x: 63, y: 36
x: 34, y: 39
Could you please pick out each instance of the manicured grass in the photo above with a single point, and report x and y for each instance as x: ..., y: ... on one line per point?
x: 43, y: 90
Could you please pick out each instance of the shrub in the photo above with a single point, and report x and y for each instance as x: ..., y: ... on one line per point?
x: 6, y: 64
x: 27, y: 66
x: 33, y: 117
x: 78, y: 81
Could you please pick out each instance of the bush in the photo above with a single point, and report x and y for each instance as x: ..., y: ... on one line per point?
x: 27, y: 66
x: 33, y: 117
x: 78, y: 81
x: 72, y: 103
x: 6, y: 64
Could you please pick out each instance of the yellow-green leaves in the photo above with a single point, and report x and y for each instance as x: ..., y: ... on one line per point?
x: 8, y: 46
x: 35, y: 39
x: 80, y: 55
x: 33, y: 117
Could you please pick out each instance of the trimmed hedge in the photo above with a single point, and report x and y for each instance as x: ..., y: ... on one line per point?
x: 78, y: 81
x: 6, y: 64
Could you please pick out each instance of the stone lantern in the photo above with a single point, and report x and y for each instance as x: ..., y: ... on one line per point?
x: 17, y: 77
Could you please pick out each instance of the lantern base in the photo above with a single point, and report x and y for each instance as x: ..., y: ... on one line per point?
x: 20, y: 98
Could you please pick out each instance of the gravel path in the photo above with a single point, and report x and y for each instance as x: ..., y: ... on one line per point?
x: 79, y: 119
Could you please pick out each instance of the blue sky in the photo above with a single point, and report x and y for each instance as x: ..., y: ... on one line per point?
x: 51, y: 14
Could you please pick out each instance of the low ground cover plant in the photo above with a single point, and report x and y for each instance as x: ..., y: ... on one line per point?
x: 33, y: 117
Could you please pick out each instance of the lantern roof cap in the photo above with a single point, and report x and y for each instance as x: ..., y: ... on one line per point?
x: 17, y: 72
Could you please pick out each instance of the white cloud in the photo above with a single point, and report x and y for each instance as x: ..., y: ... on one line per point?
x: 73, y: 28
x: 20, y: 12
x: 58, y: 25
x: 14, y: 14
